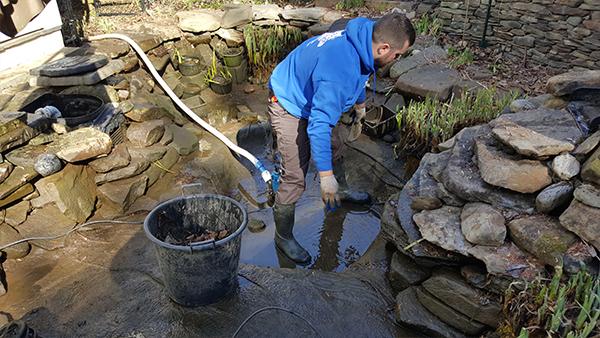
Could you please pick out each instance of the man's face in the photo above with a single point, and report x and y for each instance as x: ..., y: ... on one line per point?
x: 387, y: 55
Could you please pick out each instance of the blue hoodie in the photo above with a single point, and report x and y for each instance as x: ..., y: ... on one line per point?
x: 324, y: 77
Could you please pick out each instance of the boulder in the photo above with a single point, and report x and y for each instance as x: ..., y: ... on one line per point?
x: 404, y: 272
x: 146, y: 133
x: 121, y: 195
x: 588, y: 194
x: 238, y: 15
x: 442, y: 227
x: 584, y: 221
x: 554, y: 196
x: 184, y: 141
x: 566, y: 83
x: 417, y: 59
x: 482, y: 224
x: 543, y: 237
x: 118, y: 158
x: 143, y: 110
x: 17, y: 213
x: 81, y: 144
x: 508, y: 260
x: 265, y: 12
x: 8, y: 235
x: 434, y: 81
x: 507, y: 171
x: 587, y: 145
x: 565, y: 166
x: 38, y: 225
x: 198, y: 21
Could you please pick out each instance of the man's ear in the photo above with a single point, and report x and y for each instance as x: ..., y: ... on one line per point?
x: 383, y: 49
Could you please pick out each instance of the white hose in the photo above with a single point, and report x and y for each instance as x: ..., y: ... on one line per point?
x: 266, y: 176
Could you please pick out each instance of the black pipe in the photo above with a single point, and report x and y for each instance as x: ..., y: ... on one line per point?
x: 483, y: 43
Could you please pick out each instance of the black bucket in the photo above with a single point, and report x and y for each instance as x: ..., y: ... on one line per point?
x: 200, y: 273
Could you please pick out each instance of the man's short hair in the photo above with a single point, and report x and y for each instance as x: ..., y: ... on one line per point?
x: 394, y: 29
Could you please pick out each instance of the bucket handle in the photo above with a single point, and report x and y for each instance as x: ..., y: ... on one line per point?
x: 210, y: 241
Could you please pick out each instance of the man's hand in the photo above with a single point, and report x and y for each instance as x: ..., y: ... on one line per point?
x: 361, y: 112
x: 329, y: 192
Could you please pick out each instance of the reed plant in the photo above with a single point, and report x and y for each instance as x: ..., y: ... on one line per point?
x: 268, y: 46
x: 428, y: 26
x: 560, y: 307
x: 425, y: 124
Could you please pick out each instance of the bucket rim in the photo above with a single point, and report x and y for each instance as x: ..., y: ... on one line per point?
x: 200, y: 247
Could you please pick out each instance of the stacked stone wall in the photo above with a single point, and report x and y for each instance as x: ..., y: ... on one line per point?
x: 563, y: 34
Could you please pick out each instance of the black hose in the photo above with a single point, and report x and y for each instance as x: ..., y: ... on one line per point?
x: 17, y: 329
x: 273, y: 308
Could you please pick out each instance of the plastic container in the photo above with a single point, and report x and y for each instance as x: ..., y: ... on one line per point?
x: 189, y: 90
x: 233, y: 60
x: 189, y: 66
x: 380, y: 121
x: 75, y: 108
x: 221, y: 86
x: 200, y: 273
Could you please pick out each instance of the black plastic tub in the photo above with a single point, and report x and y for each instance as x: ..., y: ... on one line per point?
x: 201, y: 273
x: 76, y: 109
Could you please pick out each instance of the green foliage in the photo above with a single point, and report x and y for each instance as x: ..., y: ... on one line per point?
x: 428, y: 26
x: 106, y: 24
x: 349, y: 4
x: 268, y: 46
x: 557, y: 308
x: 497, y: 67
x: 213, y: 71
x: 428, y: 123
x: 463, y: 58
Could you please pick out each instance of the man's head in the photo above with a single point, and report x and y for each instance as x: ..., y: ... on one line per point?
x: 392, y: 35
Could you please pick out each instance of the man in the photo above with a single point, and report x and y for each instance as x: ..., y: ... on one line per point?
x: 323, y: 77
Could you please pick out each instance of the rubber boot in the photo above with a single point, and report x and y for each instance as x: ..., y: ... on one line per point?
x: 346, y: 194
x: 284, y: 237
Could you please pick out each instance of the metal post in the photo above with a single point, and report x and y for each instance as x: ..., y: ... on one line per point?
x: 483, y: 43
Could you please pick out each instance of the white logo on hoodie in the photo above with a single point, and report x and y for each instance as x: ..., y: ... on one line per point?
x: 326, y: 37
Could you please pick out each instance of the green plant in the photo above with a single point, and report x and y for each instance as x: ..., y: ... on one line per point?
x: 426, y: 124
x: 497, y: 66
x: 558, y: 308
x: 106, y: 24
x: 464, y: 58
x: 383, y: 6
x: 213, y: 71
x: 428, y: 26
x: 349, y: 4
x: 266, y: 47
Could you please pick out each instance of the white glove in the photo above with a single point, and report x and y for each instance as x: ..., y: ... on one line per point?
x: 361, y: 112
x: 329, y: 192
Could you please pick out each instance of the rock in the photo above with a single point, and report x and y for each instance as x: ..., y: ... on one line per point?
x: 166, y: 32
x: 112, y: 48
x: 9, y: 235
x: 157, y: 170
x: 576, y: 254
x: 543, y: 237
x: 121, y: 195
x: 167, y: 106
x: 426, y: 56
x: 232, y: 37
x: 143, y: 110
x: 17, y: 213
x: 25, y: 156
x: 47, y: 164
x: 420, y: 203
x: 448, y: 197
x: 411, y: 314
x: 81, y: 144
x: 554, y: 196
x: 449, y: 144
x: 18, y: 136
x: 521, y: 105
x: 184, y: 141
x: 205, y: 148
x: 482, y: 224
x: 145, y: 134
x: 239, y: 15
x: 256, y: 225
x: 442, y: 227
x: 90, y: 78
x: 135, y: 167
x: 556, y: 124
x: 588, y: 194
x: 23, y: 191
x: 462, y: 178
x: 5, y: 170
x: 167, y: 137
x: 10, y: 121
x: 427, y: 185
x: 152, y: 153
x: 566, y: 83
x: 435, y: 81
x: 198, y: 21
x: 507, y: 171
x: 508, y: 260
x: 37, y: 225
x: 447, y: 314
x: 584, y: 221
x: 404, y: 272
x: 18, y: 178
x: 265, y: 12
x: 145, y: 40
x: 72, y: 189
x: 527, y: 142
x: 590, y: 171
x: 587, y: 145
x: 118, y: 158
x: 452, y: 289
x: 565, y: 166
x: 303, y: 14
x: 478, y: 276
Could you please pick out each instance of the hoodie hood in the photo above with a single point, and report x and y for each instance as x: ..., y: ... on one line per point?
x: 360, y: 33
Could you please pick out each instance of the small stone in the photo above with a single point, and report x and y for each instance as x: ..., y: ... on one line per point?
x: 420, y: 203
x: 389, y: 138
x: 588, y: 194
x: 554, y: 196
x: 60, y: 128
x: 521, y: 105
x: 249, y: 89
x: 256, y: 225
x: 565, y: 166
x: 123, y: 94
x: 205, y: 148
x: 47, y: 164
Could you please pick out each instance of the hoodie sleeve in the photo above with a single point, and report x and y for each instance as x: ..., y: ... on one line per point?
x: 324, y: 115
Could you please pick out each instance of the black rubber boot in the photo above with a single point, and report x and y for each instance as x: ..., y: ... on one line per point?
x: 346, y: 194
x: 284, y: 237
